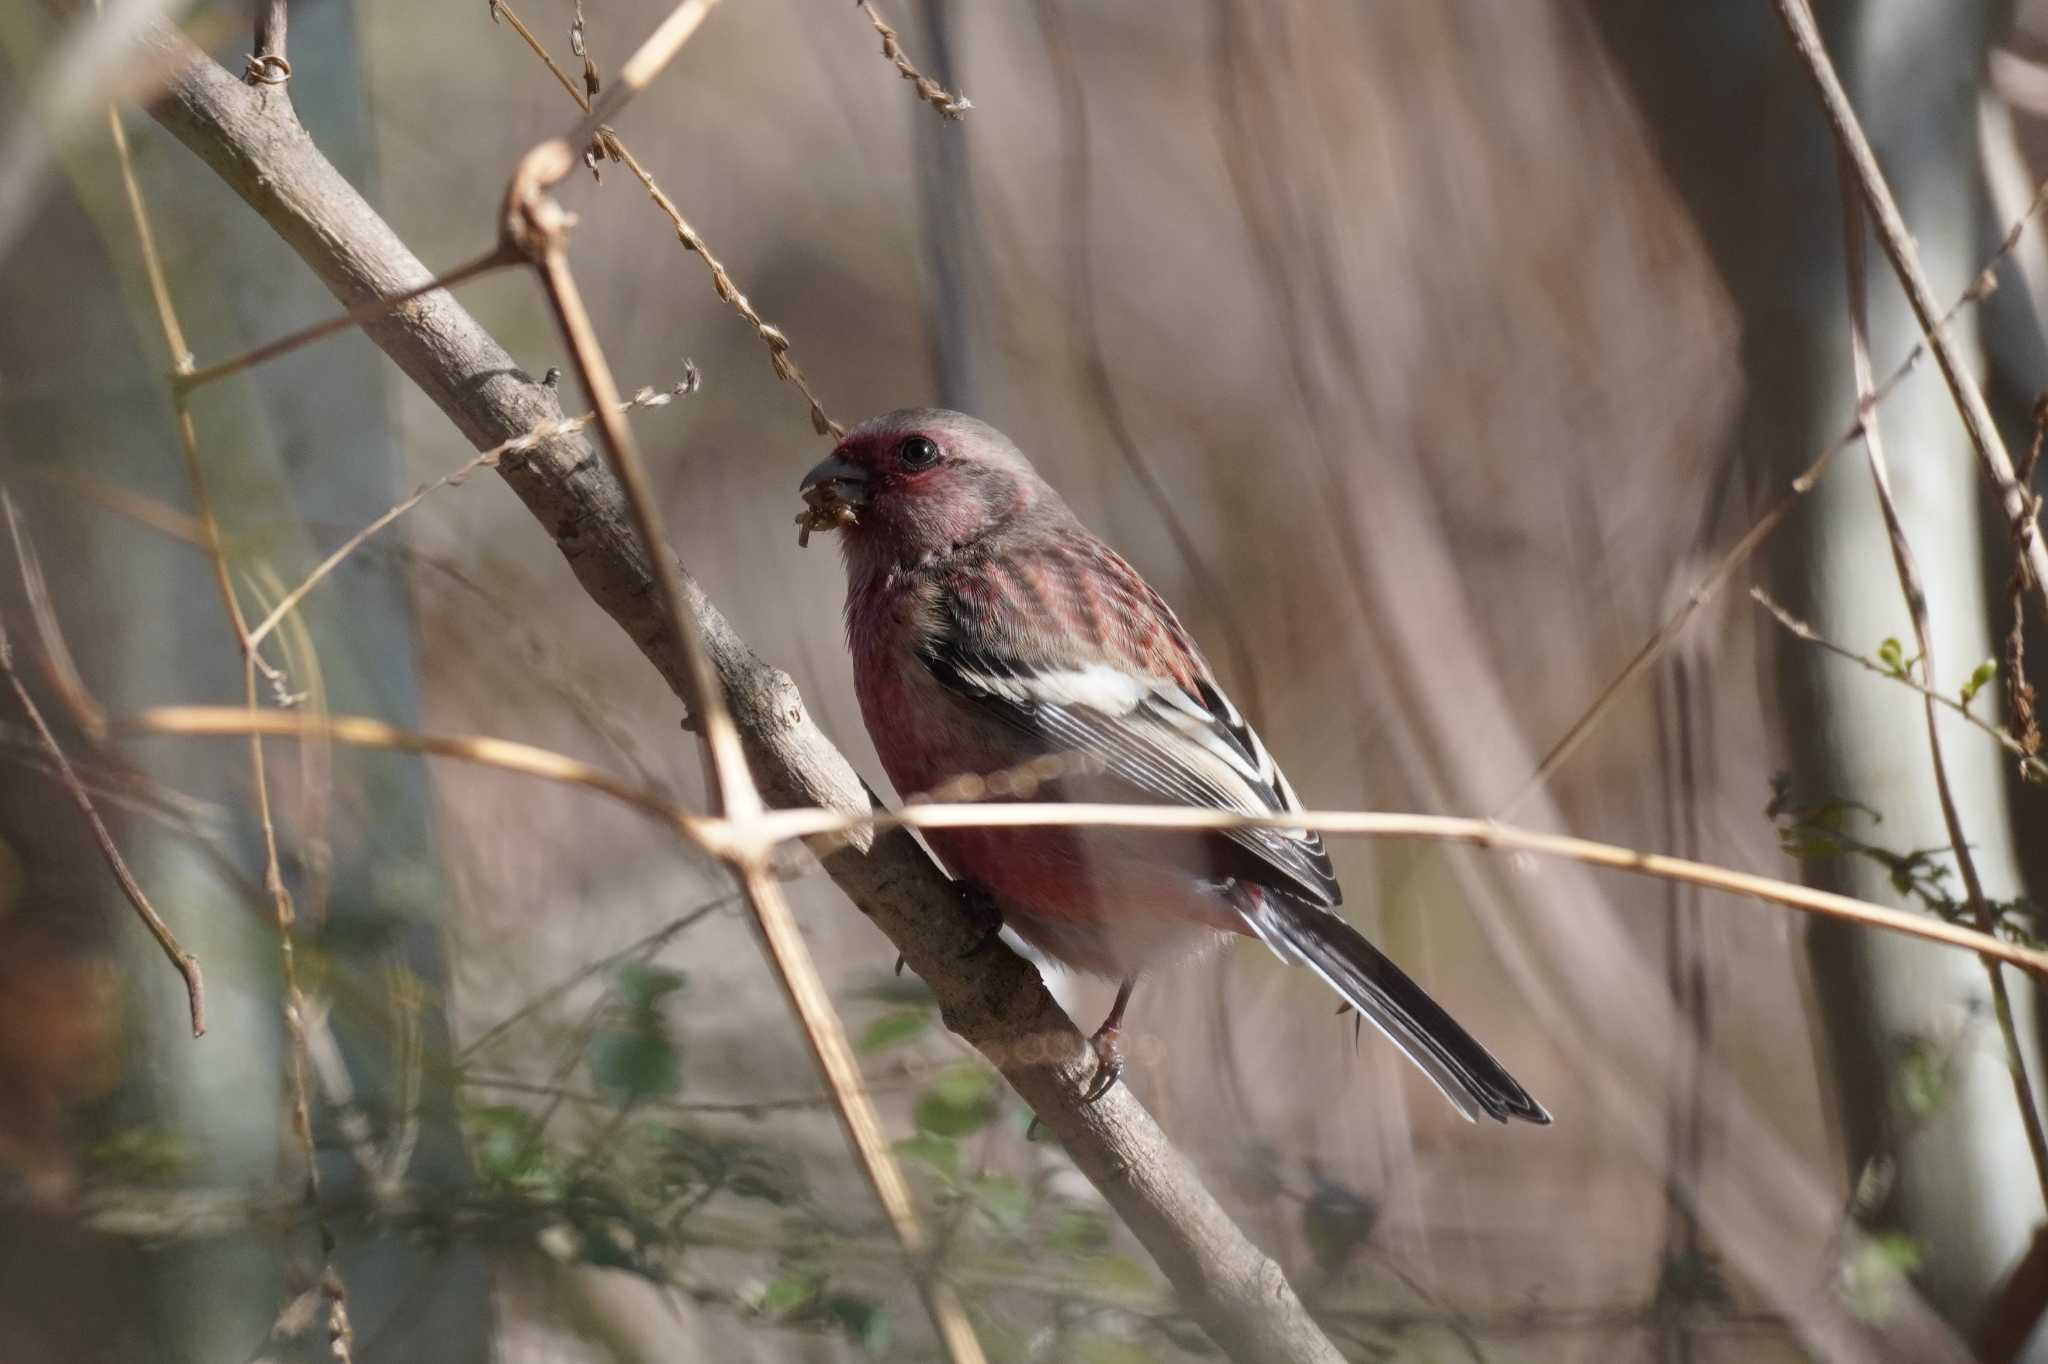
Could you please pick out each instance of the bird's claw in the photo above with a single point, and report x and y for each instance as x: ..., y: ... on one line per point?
x: 1109, y: 1068
x: 1109, y: 1064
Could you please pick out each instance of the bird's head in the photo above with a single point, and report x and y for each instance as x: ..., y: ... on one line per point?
x: 919, y: 482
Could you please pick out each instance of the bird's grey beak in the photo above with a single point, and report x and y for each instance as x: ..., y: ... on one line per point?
x: 847, y: 481
x: 834, y: 492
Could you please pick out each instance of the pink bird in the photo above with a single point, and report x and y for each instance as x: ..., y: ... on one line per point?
x: 990, y: 633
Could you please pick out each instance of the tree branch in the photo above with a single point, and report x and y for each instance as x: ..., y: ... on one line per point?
x: 184, y: 962
x: 992, y: 998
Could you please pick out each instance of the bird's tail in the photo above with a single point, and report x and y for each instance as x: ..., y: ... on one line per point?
x: 1384, y: 995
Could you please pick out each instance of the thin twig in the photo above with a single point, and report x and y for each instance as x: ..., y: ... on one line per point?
x: 647, y: 62
x: 655, y: 940
x: 1709, y: 584
x: 540, y: 226
x: 1898, y: 246
x: 579, y: 43
x: 1079, y: 195
x: 772, y: 337
x: 573, y: 1054
x: 186, y: 964
x: 146, y: 511
x: 408, y: 1005
x: 58, y: 663
x: 2029, y: 763
x: 547, y: 431
x: 499, y: 11
x: 267, y: 62
x: 330, y: 1071
x: 2019, y: 689
x: 121, y: 788
x: 152, y: 264
x: 739, y: 1108
x: 314, y: 845
x: 186, y: 380
x: 1914, y: 590
x: 949, y: 105
x: 1484, y: 833
x: 721, y: 837
x: 363, y: 732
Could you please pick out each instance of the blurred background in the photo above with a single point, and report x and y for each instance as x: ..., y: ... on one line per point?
x: 1426, y: 354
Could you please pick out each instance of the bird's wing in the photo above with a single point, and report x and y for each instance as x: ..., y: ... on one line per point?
x: 1125, y: 688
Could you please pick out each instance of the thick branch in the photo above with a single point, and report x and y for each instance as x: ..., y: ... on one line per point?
x: 992, y: 998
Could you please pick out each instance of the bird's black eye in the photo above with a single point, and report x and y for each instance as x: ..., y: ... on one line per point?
x: 917, y: 452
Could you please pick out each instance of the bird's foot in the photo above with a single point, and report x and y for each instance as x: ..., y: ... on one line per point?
x: 1108, y: 1044
x: 1109, y: 1060
x: 1109, y: 1056
x: 1109, y: 1068
x: 982, y: 913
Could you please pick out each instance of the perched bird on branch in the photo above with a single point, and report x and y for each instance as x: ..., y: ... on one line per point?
x: 1000, y: 648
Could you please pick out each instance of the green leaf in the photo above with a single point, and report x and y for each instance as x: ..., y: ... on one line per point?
x: 1986, y: 672
x: 1336, y: 1221
x: 792, y: 1290
x: 1692, y: 1278
x: 1920, y: 1079
x: 1121, y: 1271
x: 960, y: 1101
x: 965, y: 1085
x: 937, y: 1153
x: 501, y: 1142
x: 867, y: 1322
x: 893, y: 1030
x: 612, y: 1245
x: 1094, y: 1347
x: 948, y: 1121
x: 1892, y: 654
x: 1187, y: 1337
x: 1873, y: 1271
x: 1003, y: 1199
x: 636, y: 1063
x: 1079, y: 1232
x: 641, y: 987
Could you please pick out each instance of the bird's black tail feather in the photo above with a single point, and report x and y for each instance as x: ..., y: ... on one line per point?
x: 1465, y: 1071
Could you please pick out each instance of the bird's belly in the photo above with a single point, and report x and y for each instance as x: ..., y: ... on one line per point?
x: 1109, y: 901
x: 1119, y: 947
x: 1086, y: 898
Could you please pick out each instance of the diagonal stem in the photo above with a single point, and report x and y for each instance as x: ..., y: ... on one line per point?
x: 540, y: 226
x: 1797, y: 16
x: 184, y: 962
